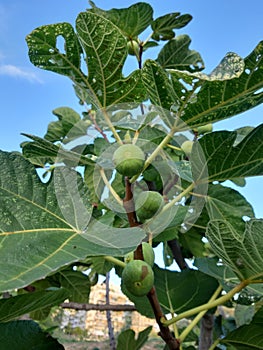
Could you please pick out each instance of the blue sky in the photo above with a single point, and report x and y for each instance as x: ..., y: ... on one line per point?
x: 28, y: 94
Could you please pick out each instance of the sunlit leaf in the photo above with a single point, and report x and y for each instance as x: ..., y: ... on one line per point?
x: 225, y: 203
x: 45, y: 226
x: 106, y: 50
x: 44, y: 53
x: 69, y: 126
x: 217, y: 157
x: 220, y: 96
x: 132, y: 20
x: 43, y: 150
x: 231, y: 66
x: 240, y: 250
x: 163, y: 27
x: 177, y: 55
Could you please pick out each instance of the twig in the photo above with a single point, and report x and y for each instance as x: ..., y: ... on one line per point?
x: 177, y: 254
x: 220, y: 301
x: 98, y: 307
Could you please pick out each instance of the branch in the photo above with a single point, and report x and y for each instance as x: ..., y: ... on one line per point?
x: 98, y: 307
x: 177, y: 254
x: 164, y: 333
x: 128, y: 204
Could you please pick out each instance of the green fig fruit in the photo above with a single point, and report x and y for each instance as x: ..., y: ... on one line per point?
x: 133, y: 47
x: 148, y: 254
x: 147, y: 204
x: 204, y: 129
x: 138, y: 277
x: 187, y: 147
x: 128, y: 160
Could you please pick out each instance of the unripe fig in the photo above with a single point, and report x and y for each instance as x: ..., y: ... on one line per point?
x: 138, y: 277
x: 148, y: 254
x: 128, y: 160
x: 147, y: 204
x: 133, y: 47
x: 187, y: 147
x: 204, y: 129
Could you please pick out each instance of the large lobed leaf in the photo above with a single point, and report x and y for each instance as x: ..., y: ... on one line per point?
x: 163, y: 27
x: 132, y: 20
x: 42, y: 152
x: 217, y: 156
x: 223, y: 203
x: 44, y: 53
x: 240, y: 250
x: 232, y: 88
x: 105, y: 49
x: 177, y: 55
x: 44, y: 226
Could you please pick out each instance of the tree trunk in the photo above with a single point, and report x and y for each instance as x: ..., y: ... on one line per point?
x: 206, y: 332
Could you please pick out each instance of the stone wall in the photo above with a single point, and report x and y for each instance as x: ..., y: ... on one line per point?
x: 95, y: 322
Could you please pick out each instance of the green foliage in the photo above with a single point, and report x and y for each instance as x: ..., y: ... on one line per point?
x: 65, y: 210
x: 23, y: 335
x: 126, y: 339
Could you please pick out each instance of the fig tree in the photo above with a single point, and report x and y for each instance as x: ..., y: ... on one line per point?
x: 187, y: 147
x: 148, y: 254
x: 138, y: 277
x: 128, y: 160
x: 147, y: 204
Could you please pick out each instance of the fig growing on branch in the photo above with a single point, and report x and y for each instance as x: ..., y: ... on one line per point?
x: 147, y: 204
x: 204, y: 129
x: 148, y: 254
x: 187, y: 147
x: 128, y: 160
x: 138, y: 277
x: 133, y: 47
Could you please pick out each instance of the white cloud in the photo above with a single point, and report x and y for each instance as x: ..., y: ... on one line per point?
x: 16, y: 72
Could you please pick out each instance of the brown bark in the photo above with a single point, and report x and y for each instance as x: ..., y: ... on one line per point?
x: 206, y: 332
x: 99, y: 307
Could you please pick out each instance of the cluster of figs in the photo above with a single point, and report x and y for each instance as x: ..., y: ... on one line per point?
x: 137, y: 275
x: 129, y: 160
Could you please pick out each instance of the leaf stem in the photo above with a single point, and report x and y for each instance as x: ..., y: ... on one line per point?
x: 115, y: 261
x: 174, y: 147
x: 194, y: 322
x: 110, y: 188
x: 209, y: 305
x: 214, y: 345
x: 110, y: 125
x: 155, y: 152
x: 178, y: 198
